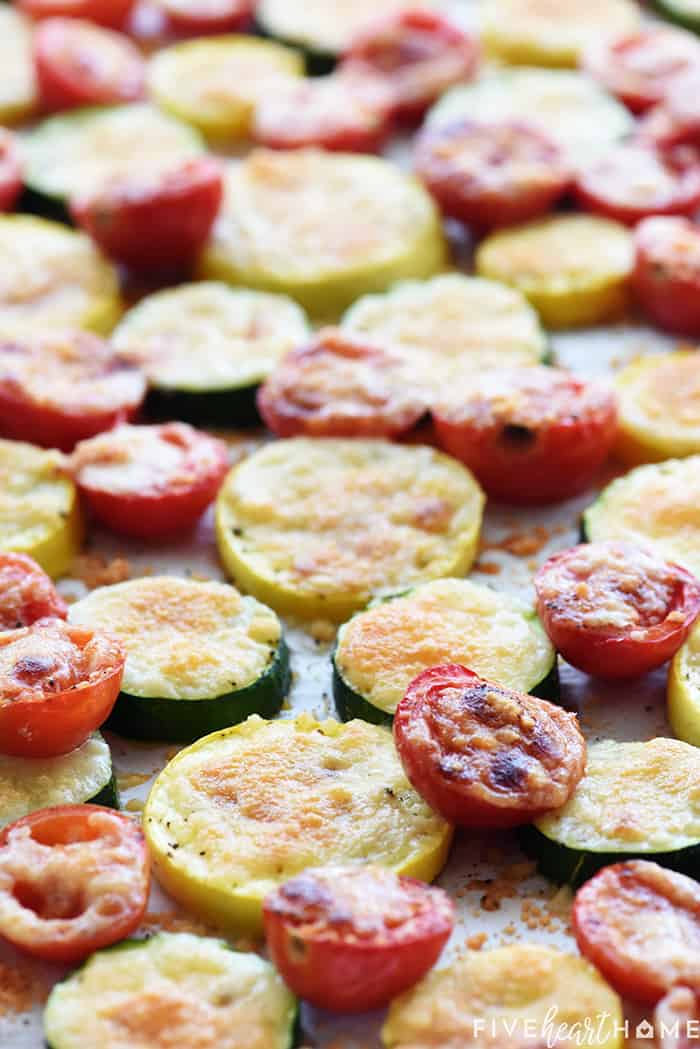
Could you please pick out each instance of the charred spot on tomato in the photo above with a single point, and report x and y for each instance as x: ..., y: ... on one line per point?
x: 517, y: 436
x: 509, y: 770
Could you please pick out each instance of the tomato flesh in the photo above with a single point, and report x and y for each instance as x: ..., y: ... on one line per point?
x: 639, y: 924
x: 26, y: 593
x: 666, y: 278
x: 482, y: 755
x: 352, y: 938
x: 112, y: 13
x: 530, y: 435
x: 10, y: 171
x: 73, y: 879
x: 200, y: 17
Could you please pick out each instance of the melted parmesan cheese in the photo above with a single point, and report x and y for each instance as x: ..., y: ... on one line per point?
x: 684, y: 690
x: 183, y: 639
x: 35, y: 499
x: 323, y: 26
x: 381, y: 650
x: 634, y: 797
x: 659, y: 406
x: 18, y: 88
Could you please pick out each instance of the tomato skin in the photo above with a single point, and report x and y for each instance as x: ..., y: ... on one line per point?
x: 68, y: 829
x: 10, y: 171
x: 110, y: 13
x: 465, y: 165
x: 27, y: 593
x: 193, y: 17
x: 334, y: 964
x: 613, y: 922
x: 159, y: 225
x: 546, y: 447
x: 666, y: 279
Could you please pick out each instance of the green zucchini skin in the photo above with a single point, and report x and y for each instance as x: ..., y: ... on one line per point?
x: 669, y: 9
x: 186, y: 720
x: 318, y: 63
x: 32, y: 202
x: 108, y: 796
x: 232, y: 408
x: 583, y: 530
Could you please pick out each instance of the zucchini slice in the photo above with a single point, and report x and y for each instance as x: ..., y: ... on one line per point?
x: 539, y: 33
x: 215, y: 83
x: 18, y: 88
x: 39, y: 508
x: 659, y: 408
x: 317, y: 527
x: 84, y: 775
x: 655, y: 506
x: 510, y: 991
x: 574, y: 269
x: 206, y: 348
x: 683, y: 12
x: 74, y: 152
x: 241, y: 811
x: 583, y: 118
x: 683, y: 690
x: 281, y: 228
x: 54, y: 278
x: 636, y: 800
x: 199, y: 656
x: 172, y: 989
x: 380, y: 651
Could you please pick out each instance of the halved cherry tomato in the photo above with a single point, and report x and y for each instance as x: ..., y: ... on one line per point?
x: 26, y: 594
x: 633, y: 182
x: 419, y: 53
x: 666, y: 278
x: 342, y: 112
x: 639, y: 924
x: 676, y: 120
x: 492, y: 174
x: 10, y: 171
x: 80, y: 64
x: 482, y: 755
x: 677, y: 1019
x: 352, y: 938
x: 531, y: 435
x: 641, y: 67
x: 199, y: 17
x: 339, y: 386
x: 56, y: 390
x: 73, y: 879
x: 150, y: 481
x: 615, y: 610
x: 160, y: 222
x: 57, y: 685
x: 111, y: 13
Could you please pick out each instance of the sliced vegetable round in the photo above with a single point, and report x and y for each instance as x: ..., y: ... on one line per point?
x: 10, y: 171
x: 105, y: 12
x: 316, y: 526
x: 340, y: 386
x: 683, y: 690
x: 381, y: 650
x: 149, y: 481
x: 173, y: 987
x: 254, y: 805
x: 513, y: 991
x: 18, y: 90
x: 304, y: 245
x: 636, y: 800
x: 351, y: 938
x: 667, y: 274
x: 56, y: 390
x: 494, y: 174
x: 199, y: 656
x: 73, y: 879
x: 531, y: 435
x: 207, y: 16
x: 658, y: 400
x: 574, y: 269
x: 26, y: 593
x: 684, y: 12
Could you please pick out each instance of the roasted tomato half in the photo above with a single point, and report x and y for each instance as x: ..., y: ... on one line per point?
x: 199, y: 17
x: 351, y: 938
x: 73, y: 879
x: 482, y: 755
x: 639, y: 924
x: 26, y: 594
x: 531, y: 435
x: 56, y: 390
x: 615, y: 610
x: 57, y: 685
x: 666, y: 277
x: 154, y: 223
x: 10, y: 171
x: 112, y: 13
x: 419, y: 53
x: 150, y: 481
x: 676, y: 120
x: 339, y: 386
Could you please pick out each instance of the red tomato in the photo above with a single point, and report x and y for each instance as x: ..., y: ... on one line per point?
x: 352, y: 938
x: 342, y: 112
x: 338, y: 386
x: 157, y: 223
x: 81, y: 64
x: 150, y: 481
x: 10, y: 171
x: 492, y: 174
x: 634, y: 181
x: 639, y: 924
x: 26, y: 593
x: 106, y: 12
x: 200, y: 17
x: 531, y: 435
x: 615, y: 610
x: 57, y: 685
x: 419, y: 53
x: 58, y: 390
x: 486, y: 756
x: 676, y: 120
x: 666, y: 277
x: 641, y: 67
x: 677, y: 1019
x: 73, y: 879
